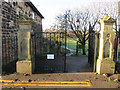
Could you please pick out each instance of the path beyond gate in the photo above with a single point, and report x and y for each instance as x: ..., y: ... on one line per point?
x: 50, y: 54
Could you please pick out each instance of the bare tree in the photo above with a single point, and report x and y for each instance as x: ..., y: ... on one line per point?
x: 79, y: 25
x: 79, y: 19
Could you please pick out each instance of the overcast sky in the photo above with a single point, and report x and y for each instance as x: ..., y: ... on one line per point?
x: 50, y: 8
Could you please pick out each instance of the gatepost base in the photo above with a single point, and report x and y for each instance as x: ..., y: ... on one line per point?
x: 27, y: 67
x: 105, y: 66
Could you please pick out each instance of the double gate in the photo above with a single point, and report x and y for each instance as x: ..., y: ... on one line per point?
x: 50, y: 52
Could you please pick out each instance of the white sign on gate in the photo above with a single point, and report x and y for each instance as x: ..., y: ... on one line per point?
x: 50, y: 56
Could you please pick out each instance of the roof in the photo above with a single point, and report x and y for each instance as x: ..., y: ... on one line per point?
x: 34, y: 8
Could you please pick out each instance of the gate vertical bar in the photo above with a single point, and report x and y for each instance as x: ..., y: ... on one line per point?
x: 5, y: 59
x: 10, y: 49
x: 95, y: 47
x: 1, y: 41
x: 39, y: 40
x: 16, y: 48
x: 8, y: 54
x: 50, y: 43
x: 3, y: 50
x: 35, y: 45
x: 65, y: 40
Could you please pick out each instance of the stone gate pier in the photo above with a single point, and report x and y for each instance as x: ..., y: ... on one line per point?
x: 26, y: 61
x: 105, y: 63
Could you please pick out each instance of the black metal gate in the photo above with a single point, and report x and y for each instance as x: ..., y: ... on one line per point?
x: 93, y: 49
x: 50, y: 53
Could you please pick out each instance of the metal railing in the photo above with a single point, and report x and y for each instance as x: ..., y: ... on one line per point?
x: 9, y: 50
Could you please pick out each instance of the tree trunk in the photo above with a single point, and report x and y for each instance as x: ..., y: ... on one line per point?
x: 84, y: 53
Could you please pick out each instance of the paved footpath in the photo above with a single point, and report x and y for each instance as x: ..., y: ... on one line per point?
x: 77, y: 64
x: 57, y: 80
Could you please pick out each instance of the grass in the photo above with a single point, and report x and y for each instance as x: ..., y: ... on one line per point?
x: 3, y: 72
x: 55, y: 53
x: 71, y: 43
x: 80, y: 53
x: 63, y: 50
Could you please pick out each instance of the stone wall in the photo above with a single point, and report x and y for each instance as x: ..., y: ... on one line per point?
x: 9, y: 36
x: 9, y: 29
x: 9, y: 17
x: 26, y: 8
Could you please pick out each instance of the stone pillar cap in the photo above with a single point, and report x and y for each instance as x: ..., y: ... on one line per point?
x: 25, y: 19
x: 106, y: 19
